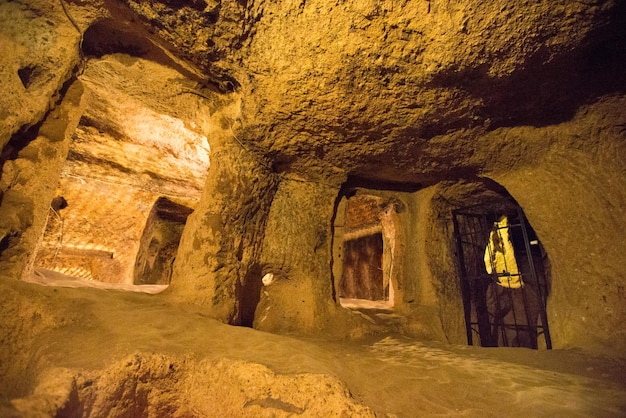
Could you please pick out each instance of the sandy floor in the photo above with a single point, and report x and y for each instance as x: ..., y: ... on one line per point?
x: 390, y: 375
x: 52, y: 278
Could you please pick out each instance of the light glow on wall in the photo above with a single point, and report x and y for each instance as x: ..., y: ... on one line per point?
x: 500, y: 256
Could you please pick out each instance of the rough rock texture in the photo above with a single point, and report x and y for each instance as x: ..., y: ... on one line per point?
x: 298, y: 105
x: 584, y: 243
x: 107, y: 353
x: 146, y: 385
x: 218, y: 260
x: 41, y: 61
x: 29, y: 181
x: 206, y: 33
x: 378, y: 81
x: 301, y: 297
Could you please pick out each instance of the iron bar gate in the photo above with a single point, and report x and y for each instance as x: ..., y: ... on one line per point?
x: 503, y: 280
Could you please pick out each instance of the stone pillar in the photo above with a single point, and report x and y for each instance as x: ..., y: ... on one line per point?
x: 297, y: 251
x: 221, y: 240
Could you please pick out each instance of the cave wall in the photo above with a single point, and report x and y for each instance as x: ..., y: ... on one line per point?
x: 574, y: 195
x: 40, y: 61
x: 433, y: 305
x: 296, y: 249
x: 568, y: 179
x: 531, y: 96
x: 29, y: 183
x: 39, y: 112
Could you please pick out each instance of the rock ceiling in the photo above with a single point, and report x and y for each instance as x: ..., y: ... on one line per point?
x: 146, y: 139
x: 373, y: 88
x: 388, y: 90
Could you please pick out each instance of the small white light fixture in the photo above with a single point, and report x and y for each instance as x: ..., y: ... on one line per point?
x: 268, y: 279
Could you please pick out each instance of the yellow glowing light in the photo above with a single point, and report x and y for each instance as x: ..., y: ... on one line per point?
x: 500, y: 256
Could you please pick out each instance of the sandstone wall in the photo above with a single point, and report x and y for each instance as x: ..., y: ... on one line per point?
x: 528, y: 95
x: 30, y: 182
x: 36, y: 63
x: 575, y: 198
x: 568, y: 178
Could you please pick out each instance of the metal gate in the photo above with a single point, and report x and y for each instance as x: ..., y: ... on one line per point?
x: 503, y: 279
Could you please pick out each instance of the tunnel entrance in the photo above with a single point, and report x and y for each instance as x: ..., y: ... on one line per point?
x: 125, y: 153
x: 159, y: 242
x: 504, y: 277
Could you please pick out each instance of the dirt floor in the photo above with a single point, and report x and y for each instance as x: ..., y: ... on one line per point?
x: 118, y: 353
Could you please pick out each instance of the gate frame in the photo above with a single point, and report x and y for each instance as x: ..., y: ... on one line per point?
x: 482, y: 211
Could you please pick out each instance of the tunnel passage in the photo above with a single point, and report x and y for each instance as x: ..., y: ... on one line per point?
x: 159, y: 242
x: 504, y: 276
x: 127, y: 150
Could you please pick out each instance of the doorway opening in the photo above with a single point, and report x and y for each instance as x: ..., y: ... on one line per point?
x: 365, y: 240
x: 159, y: 242
x: 504, y: 277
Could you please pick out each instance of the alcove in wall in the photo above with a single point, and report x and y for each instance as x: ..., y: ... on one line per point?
x: 125, y: 153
